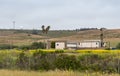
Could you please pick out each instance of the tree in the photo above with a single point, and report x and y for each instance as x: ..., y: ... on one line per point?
x: 45, y: 31
x: 52, y: 44
x: 43, y: 28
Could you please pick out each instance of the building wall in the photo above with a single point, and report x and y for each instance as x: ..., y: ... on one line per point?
x: 88, y: 44
x: 60, y: 45
x: 72, y: 45
x: 77, y: 45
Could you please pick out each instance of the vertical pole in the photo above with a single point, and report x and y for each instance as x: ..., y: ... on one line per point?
x: 14, y: 25
x: 109, y: 45
x: 101, y: 37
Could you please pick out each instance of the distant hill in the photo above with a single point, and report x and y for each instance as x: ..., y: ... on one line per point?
x: 25, y: 37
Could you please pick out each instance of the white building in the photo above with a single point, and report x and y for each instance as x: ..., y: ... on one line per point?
x: 89, y: 44
x: 60, y: 45
x: 71, y: 45
x: 78, y: 45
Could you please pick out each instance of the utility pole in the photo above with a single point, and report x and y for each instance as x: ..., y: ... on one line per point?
x: 101, y: 36
x: 13, y: 32
x: 14, y: 25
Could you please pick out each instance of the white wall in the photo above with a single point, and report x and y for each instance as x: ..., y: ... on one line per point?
x: 89, y: 45
x: 60, y: 45
x: 71, y: 45
x: 84, y: 44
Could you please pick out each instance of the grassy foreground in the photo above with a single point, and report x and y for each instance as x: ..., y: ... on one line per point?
x: 50, y: 73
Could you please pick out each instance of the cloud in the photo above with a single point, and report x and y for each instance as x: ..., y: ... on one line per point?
x: 60, y: 14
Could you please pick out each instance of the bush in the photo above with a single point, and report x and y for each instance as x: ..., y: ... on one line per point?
x: 7, y: 46
x: 23, y: 61
x: 7, y: 61
x: 24, y: 47
x: 39, y: 61
x: 66, y: 62
x: 37, y: 45
x: 87, y: 61
x: 53, y: 44
x: 59, y: 51
x: 118, y: 46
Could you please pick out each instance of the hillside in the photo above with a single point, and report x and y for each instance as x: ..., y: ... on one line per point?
x: 24, y: 37
x: 112, y: 36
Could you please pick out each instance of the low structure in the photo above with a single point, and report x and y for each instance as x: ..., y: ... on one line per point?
x: 89, y: 44
x: 60, y: 45
x: 78, y: 45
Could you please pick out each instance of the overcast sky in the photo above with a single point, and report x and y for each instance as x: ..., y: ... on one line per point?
x: 59, y: 14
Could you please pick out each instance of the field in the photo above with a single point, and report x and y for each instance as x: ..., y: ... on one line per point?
x: 44, y: 62
x: 25, y: 37
x: 50, y: 73
x: 107, y: 61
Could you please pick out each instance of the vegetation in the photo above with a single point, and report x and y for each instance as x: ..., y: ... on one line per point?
x: 34, y: 45
x: 106, y: 62
x: 52, y: 44
x: 7, y: 46
x: 51, y: 73
x: 118, y: 46
x: 34, y: 56
x: 26, y: 37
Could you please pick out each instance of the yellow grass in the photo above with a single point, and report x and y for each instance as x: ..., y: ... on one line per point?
x: 98, y: 51
x: 50, y: 73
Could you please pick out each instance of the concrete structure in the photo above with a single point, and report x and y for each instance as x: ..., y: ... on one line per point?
x: 78, y: 45
x: 89, y: 44
x: 71, y: 45
x: 60, y: 45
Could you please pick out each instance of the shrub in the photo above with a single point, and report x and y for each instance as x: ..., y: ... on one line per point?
x: 24, y: 47
x: 37, y: 45
x: 39, y: 61
x: 59, y: 51
x: 118, y: 46
x: 53, y: 44
x: 66, y: 62
x: 23, y: 61
x: 87, y: 61
x: 7, y: 61
x: 7, y: 46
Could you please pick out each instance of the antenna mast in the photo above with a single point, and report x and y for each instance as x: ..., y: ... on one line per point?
x: 13, y: 24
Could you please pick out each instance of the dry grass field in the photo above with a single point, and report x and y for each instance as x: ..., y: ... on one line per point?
x: 50, y: 73
x: 23, y: 37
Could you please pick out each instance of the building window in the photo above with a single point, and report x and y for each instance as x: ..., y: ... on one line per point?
x: 57, y: 44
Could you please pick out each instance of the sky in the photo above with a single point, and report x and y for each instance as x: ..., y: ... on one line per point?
x: 59, y: 14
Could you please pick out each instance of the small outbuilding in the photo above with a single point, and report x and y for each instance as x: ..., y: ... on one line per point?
x: 78, y: 45
x: 60, y: 45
